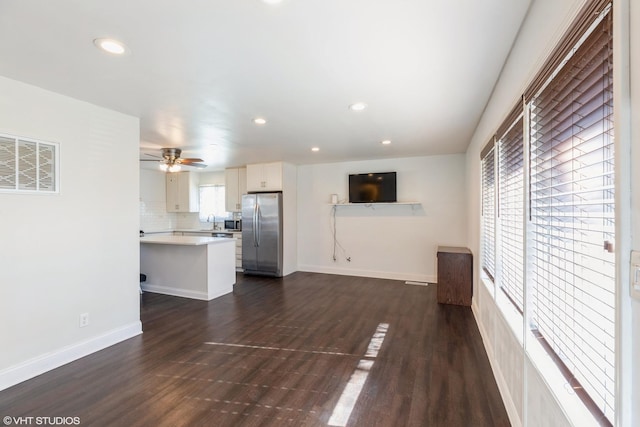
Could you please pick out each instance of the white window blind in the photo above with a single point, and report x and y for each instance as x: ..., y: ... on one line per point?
x: 511, y: 212
x: 488, y: 214
x: 28, y: 165
x: 572, y: 216
x: 212, y: 203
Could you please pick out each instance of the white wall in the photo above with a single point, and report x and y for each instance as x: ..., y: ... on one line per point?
x: 289, y: 219
x: 212, y: 178
x: 544, y: 25
x: 397, y: 242
x: 74, y: 252
x: 631, y: 316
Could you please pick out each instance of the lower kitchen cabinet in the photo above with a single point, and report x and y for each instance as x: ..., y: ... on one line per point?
x: 238, y: 237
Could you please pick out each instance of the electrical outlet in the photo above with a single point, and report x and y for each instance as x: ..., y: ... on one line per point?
x: 84, y: 320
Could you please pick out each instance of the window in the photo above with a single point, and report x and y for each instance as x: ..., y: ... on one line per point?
x: 572, y: 216
x: 564, y: 217
x: 28, y: 165
x: 511, y: 212
x: 212, y: 203
x: 488, y: 213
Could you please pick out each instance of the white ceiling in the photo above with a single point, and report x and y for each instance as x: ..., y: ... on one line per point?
x: 198, y: 72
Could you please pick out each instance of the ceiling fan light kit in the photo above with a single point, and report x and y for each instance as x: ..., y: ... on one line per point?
x: 172, y: 162
x: 165, y: 167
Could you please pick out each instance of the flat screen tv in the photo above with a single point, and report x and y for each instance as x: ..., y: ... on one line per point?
x: 372, y: 187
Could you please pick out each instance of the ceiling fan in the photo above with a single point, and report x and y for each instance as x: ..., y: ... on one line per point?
x: 171, y: 160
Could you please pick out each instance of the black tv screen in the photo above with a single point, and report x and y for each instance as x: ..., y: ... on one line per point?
x: 372, y: 187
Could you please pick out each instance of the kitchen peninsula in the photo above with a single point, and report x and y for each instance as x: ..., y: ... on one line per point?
x: 195, y: 267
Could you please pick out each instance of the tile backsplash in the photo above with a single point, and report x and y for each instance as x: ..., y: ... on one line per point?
x: 191, y: 221
x: 154, y: 217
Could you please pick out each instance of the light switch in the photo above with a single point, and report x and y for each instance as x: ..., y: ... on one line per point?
x: 634, y: 274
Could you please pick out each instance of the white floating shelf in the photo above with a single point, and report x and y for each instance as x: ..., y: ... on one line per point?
x: 377, y: 204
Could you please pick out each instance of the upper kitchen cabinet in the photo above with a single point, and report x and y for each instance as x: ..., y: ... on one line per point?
x: 235, y: 187
x: 264, y: 177
x: 182, y: 192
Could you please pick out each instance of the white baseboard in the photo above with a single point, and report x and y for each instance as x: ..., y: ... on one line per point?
x: 510, y: 407
x: 392, y: 275
x: 176, y: 292
x: 38, y: 365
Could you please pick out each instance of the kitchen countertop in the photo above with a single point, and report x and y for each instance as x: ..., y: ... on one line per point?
x: 184, y: 240
x: 191, y: 230
x: 200, y: 230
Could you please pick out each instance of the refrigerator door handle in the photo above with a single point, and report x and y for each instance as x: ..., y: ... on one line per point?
x: 255, y: 224
x: 258, y: 222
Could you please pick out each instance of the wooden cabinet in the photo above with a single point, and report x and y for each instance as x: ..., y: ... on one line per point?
x: 182, y: 192
x: 264, y: 177
x: 455, y: 275
x: 235, y: 187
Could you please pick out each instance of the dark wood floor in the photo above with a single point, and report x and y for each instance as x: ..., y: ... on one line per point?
x: 280, y: 352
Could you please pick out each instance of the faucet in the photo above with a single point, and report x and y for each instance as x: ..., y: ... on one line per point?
x: 214, y: 221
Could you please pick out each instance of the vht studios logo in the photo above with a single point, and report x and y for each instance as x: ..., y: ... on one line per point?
x: 41, y: 421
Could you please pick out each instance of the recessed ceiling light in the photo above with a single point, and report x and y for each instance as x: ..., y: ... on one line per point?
x: 111, y: 46
x: 385, y: 142
x: 259, y: 121
x: 315, y: 149
x: 358, y: 106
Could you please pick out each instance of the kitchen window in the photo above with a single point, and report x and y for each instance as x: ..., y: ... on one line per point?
x: 212, y: 203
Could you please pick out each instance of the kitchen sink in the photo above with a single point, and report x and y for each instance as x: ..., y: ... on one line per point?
x: 228, y: 235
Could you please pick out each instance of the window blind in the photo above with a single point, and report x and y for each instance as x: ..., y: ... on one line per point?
x: 572, y: 216
x: 511, y: 212
x: 488, y: 214
x: 212, y: 203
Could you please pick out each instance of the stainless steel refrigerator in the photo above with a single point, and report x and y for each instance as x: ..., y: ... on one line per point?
x: 262, y: 234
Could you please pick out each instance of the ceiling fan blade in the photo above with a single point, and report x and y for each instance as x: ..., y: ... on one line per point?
x: 150, y: 160
x: 189, y: 160
x: 196, y: 165
x: 152, y: 155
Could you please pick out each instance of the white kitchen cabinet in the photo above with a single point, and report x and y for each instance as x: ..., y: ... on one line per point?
x: 182, y: 192
x: 235, y: 187
x: 264, y: 177
x: 238, y: 237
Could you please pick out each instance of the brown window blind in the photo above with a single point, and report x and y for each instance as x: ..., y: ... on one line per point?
x: 572, y: 216
x: 511, y: 211
x: 488, y: 214
x: 577, y: 31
